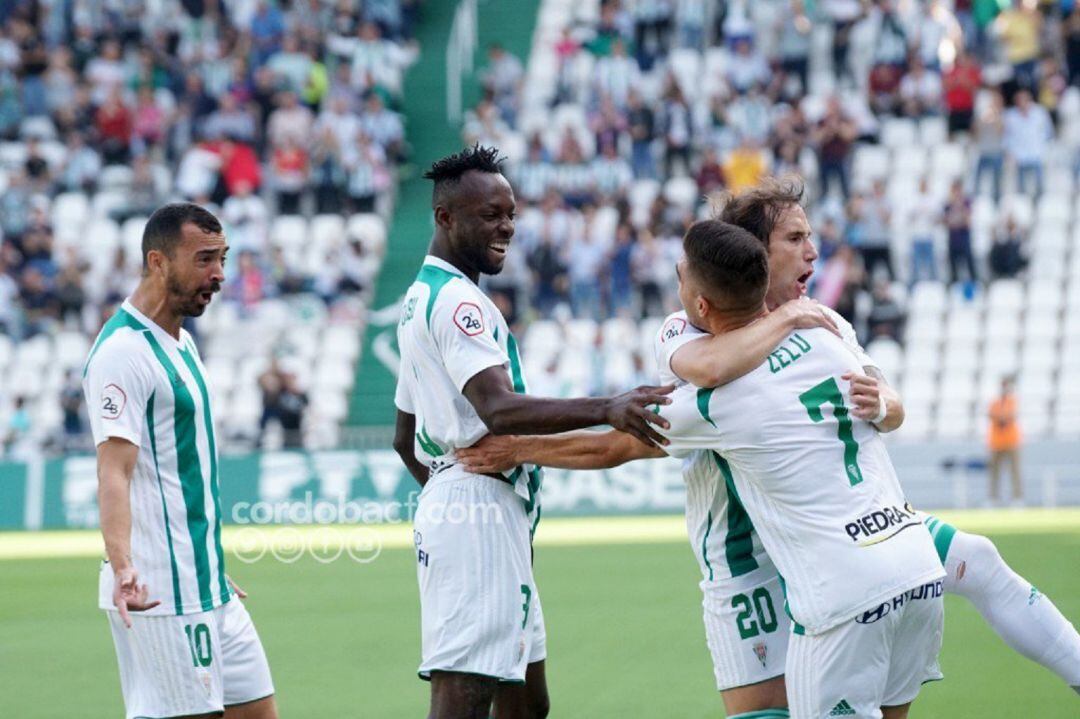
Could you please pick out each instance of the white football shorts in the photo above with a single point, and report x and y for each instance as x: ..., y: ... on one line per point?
x: 191, y: 664
x: 879, y: 658
x: 746, y: 628
x: 479, y: 609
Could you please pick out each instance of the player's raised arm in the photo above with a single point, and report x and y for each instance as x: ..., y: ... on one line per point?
x: 404, y: 432
x: 584, y: 449
x: 715, y: 361
x: 116, y: 465
x: 504, y: 411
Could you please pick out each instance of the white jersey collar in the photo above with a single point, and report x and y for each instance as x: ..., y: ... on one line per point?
x: 154, y: 327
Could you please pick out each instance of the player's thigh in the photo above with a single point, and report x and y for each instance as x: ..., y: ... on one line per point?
x: 900, y: 712
x: 916, y: 644
x: 245, y: 671
x: 843, y: 671
x: 170, y: 666
x: 524, y: 701
x: 747, y: 632
x: 769, y: 694
x: 458, y: 695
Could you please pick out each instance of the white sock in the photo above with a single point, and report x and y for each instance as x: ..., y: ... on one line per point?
x: 1021, y: 615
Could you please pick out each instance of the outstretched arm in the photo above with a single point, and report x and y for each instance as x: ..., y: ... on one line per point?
x: 505, y: 411
x: 716, y: 360
x: 570, y: 450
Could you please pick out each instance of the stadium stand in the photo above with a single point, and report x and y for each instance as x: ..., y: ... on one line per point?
x: 629, y: 113
x: 281, y: 118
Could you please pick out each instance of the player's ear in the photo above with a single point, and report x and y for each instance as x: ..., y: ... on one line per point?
x: 443, y: 217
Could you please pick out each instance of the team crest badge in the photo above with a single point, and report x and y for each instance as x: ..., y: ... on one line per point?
x: 761, y: 651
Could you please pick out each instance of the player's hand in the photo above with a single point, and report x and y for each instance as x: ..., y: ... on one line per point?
x: 629, y: 413
x: 236, y: 587
x: 804, y: 314
x: 491, y: 455
x: 865, y: 395
x: 129, y: 595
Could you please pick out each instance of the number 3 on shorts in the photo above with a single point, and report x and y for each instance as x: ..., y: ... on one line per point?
x: 199, y: 643
x: 526, y: 591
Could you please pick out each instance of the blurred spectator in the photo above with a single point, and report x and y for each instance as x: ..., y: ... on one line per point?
x: 17, y: 440
x: 1007, y: 254
x: 745, y: 166
x: 710, y: 175
x: 1071, y: 32
x: 81, y: 166
x: 1019, y: 27
x: 642, y: 123
x: 329, y: 175
x: 1027, y: 134
x: 289, y: 165
x: 1004, y: 441
x: 502, y: 78
x: 70, y: 294
x: 922, y: 222
x: 250, y: 285
x: 71, y: 403
x: 651, y: 274
x: 230, y: 120
x: 358, y: 268
x: 368, y: 175
x: 36, y: 168
x: 611, y: 173
x: 239, y: 166
x: 142, y: 197
x: 920, y: 90
x: 290, y: 120
x: 843, y: 14
x: 834, y: 136
x: 247, y: 219
x: 41, y: 307
x: 875, y: 245
x: 1050, y: 85
x: 990, y: 143
x: 383, y: 126
x: 283, y: 402
x: 794, y: 28
x: 886, y: 318
x: 114, y: 124
x: 961, y: 83
x: 615, y: 74
x: 747, y: 67
x: 957, y: 217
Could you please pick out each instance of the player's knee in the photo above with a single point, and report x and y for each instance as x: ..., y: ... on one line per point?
x: 979, y: 552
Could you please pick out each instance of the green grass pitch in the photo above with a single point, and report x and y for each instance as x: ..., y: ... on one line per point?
x: 624, y: 637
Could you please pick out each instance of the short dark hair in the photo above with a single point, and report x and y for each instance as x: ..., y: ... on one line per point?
x: 448, y: 171
x: 731, y: 264
x: 758, y: 209
x: 163, y: 229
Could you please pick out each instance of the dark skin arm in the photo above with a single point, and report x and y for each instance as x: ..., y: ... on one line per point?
x: 404, y: 432
x: 504, y: 411
x: 570, y: 450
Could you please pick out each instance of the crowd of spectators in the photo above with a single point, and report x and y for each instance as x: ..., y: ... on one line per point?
x: 252, y: 108
x: 992, y: 73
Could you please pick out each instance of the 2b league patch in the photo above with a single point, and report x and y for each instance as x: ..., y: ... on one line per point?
x: 468, y: 319
x: 672, y: 328
x: 113, y: 400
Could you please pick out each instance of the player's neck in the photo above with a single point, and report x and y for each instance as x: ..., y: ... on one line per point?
x: 731, y: 321
x: 440, y: 250
x: 153, y: 303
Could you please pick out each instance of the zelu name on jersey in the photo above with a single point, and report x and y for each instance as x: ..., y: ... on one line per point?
x: 792, y: 349
x: 881, y: 520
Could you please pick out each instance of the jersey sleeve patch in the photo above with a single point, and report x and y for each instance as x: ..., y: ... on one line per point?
x: 468, y: 319
x: 113, y: 401
x: 672, y: 329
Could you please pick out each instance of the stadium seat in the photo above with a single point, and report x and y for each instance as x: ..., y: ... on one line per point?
x: 116, y: 177
x: 289, y: 232
x: 371, y: 230
x: 899, y: 133
x: 953, y: 423
x: 933, y: 132
x: 70, y: 349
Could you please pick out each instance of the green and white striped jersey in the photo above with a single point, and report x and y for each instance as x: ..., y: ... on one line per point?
x: 817, y: 485
x: 722, y: 535
x: 148, y: 388
x: 449, y: 332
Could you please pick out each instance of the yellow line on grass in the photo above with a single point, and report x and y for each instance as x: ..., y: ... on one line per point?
x: 561, y: 531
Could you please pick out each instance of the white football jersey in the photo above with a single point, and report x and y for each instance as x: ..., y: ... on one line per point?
x: 816, y: 483
x: 725, y: 545
x: 145, y: 386
x: 449, y: 332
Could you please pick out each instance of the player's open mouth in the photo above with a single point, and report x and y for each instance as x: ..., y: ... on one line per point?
x: 499, y: 248
x: 803, y: 280
x: 205, y: 297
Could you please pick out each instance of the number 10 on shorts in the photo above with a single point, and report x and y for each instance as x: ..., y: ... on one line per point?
x: 198, y: 638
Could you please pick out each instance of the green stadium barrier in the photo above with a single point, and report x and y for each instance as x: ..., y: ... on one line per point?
x: 340, y: 486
